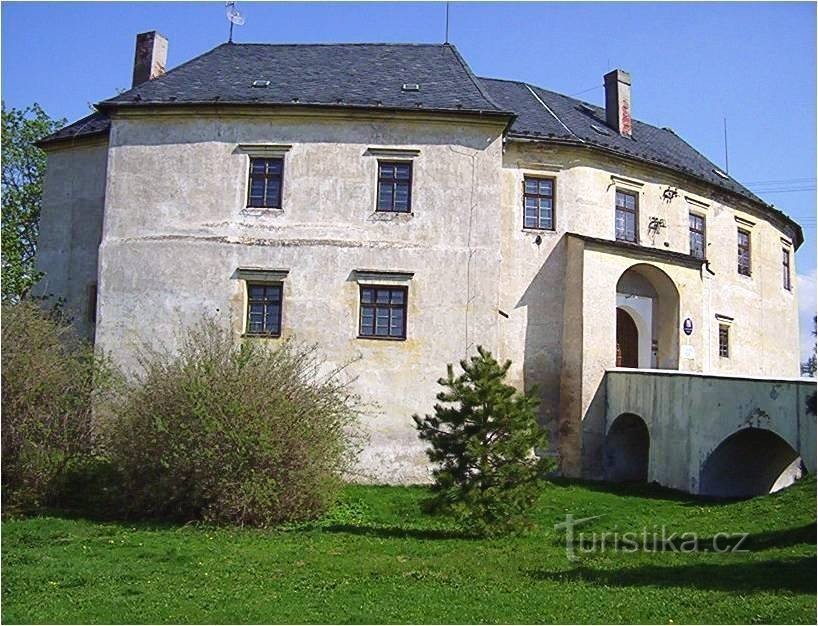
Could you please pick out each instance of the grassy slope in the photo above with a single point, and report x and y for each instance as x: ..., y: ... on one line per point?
x: 376, y: 558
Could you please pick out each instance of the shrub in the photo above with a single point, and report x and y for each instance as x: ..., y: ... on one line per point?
x: 50, y: 379
x: 483, y: 444
x: 232, y: 432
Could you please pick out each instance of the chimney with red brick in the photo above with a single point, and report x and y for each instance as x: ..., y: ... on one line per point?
x: 618, y: 102
x: 150, y: 58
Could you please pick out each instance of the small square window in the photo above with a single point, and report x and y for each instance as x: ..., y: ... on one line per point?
x: 264, y: 187
x: 394, y: 186
x: 383, y: 312
x: 264, y: 309
x: 538, y: 203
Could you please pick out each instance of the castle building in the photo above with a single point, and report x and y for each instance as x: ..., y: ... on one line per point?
x: 384, y: 202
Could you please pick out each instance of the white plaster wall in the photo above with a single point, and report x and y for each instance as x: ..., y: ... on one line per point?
x: 595, y: 270
x: 765, y: 335
x: 560, y: 330
x: 176, y: 230
x: 71, y: 227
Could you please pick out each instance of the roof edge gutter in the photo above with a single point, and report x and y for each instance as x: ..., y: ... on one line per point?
x: 85, y: 137
x: 106, y: 106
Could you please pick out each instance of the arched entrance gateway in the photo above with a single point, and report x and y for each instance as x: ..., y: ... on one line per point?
x: 750, y: 462
x: 627, y: 450
x: 647, y: 319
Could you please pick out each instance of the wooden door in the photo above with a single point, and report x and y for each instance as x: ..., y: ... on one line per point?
x: 627, y: 340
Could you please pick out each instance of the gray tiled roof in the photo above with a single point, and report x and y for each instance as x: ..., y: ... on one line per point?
x: 361, y: 75
x: 582, y: 123
x: 543, y: 114
x: 96, y: 123
x: 372, y: 76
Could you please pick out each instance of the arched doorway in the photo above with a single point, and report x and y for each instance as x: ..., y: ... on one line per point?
x: 627, y: 340
x: 626, y: 451
x: 748, y: 463
x: 650, y: 298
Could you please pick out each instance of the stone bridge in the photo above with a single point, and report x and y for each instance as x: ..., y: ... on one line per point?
x: 716, y: 435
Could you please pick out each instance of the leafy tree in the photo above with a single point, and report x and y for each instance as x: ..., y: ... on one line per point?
x: 483, y: 436
x: 22, y: 178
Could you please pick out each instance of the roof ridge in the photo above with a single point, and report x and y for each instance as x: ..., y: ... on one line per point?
x: 556, y: 93
x: 502, y: 80
x: 551, y: 111
x: 472, y: 76
x: 573, y: 99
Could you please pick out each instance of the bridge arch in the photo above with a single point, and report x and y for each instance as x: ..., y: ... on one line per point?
x: 750, y: 462
x: 650, y: 297
x: 626, y: 450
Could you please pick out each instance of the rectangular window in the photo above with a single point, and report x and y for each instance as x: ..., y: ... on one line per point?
x: 538, y: 203
x: 383, y: 312
x: 785, y: 266
x: 743, y: 252
x: 627, y: 211
x: 395, y: 186
x: 697, y: 235
x: 264, y: 189
x: 264, y: 309
x: 724, y: 341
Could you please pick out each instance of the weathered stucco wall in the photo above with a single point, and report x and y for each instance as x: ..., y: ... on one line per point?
x: 71, y: 228
x: 765, y: 327
x: 689, y: 415
x: 561, y: 294
x: 177, y: 229
x: 597, y: 271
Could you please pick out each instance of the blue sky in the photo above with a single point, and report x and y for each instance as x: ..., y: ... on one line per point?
x: 692, y: 64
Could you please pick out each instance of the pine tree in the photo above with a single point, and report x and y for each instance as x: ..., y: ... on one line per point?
x: 483, y: 437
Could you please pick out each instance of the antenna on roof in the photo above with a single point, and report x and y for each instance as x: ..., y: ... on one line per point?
x: 726, y: 162
x: 447, y: 23
x: 234, y: 17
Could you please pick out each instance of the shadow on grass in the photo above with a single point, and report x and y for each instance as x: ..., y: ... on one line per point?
x: 650, y: 491
x: 796, y: 575
x: 398, y: 532
x: 783, y: 538
x: 654, y: 491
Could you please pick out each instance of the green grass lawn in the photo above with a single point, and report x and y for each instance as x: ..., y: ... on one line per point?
x: 377, y: 558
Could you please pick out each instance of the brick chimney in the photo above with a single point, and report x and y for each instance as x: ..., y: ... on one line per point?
x: 150, y: 58
x: 618, y: 101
